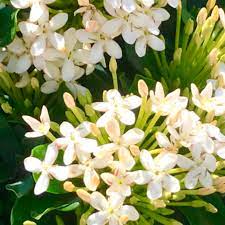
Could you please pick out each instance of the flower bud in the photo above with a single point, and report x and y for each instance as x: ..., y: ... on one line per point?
x: 69, y: 186
x: 211, y: 208
x: 83, y: 2
x: 198, y: 204
x: 189, y: 27
x: 84, y: 195
x: 213, y: 56
x: 202, y: 15
x: 28, y: 222
x: 158, y: 203
x: 206, y: 191
x: 70, y: 116
x: 143, y: 88
x: 175, y: 222
x: 37, y: 112
x: 89, y: 110
x: 27, y: 103
x: 84, y: 98
x: 69, y: 100
x: 222, y: 17
x: 113, y: 65
x: 135, y: 151
x: 177, y: 55
x: 210, y: 4
x: 178, y: 196
x: 34, y: 83
x: 215, y: 13
x: 55, y: 127
x: 95, y: 130
x: 7, y: 108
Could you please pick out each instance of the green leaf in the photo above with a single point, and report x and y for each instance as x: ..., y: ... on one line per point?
x: 8, y: 24
x: 55, y: 186
x: 22, y: 187
x: 30, y: 207
x: 8, y: 147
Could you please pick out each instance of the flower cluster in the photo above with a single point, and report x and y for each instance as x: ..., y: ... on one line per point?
x: 173, y: 148
x: 64, y: 54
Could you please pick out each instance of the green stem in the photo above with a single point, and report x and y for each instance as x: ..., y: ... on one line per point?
x: 115, y: 81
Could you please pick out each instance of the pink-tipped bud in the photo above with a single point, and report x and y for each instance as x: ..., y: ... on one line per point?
x: 69, y: 186
x: 69, y: 100
x: 84, y: 195
x: 135, y: 151
x: 143, y: 88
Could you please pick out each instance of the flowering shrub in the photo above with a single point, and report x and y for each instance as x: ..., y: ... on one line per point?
x: 150, y: 150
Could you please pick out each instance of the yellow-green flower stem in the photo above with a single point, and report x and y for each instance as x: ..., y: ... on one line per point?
x: 59, y: 220
x: 78, y: 114
x: 178, y: 24
x: 152, y: 123
x: 50, y: 136
x: 115, y: 80
x: 104, y: 135
x: 177, y: 170
x: 158, y: 61
x: 141, y: 112
x: 84, y: 217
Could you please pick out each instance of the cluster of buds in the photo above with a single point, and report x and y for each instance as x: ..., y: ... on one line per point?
x: 64, y: 54
x: 130, y: 164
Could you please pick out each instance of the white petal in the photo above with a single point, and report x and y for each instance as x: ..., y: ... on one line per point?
x: 33, y: 134
x: 142, y: 177
x: 133, y: 101
x: 173, y: 3
x: 60, y: 173
x: 156, y: 43
x: 132, y: 137
x: 171, y: 184
x: 57, y: 41
x: 32, y: 164
x: 130, y: 212
x: 154, y: 190
x: 36, y: 12
x: 184, y: 162
x: 70, y: 38
x: 162, y: 140
x: 33, y: 123
x: 69, y: 154
x: 20, y: 4
x: 99, y: 218
x: 210, y: 162
x: 165, y: 161
x: 113, y: 49
x: 68, y: 70
x: 38, y: 47
x: 206, y: 179
x: 126, y: 158
x: 147, y: 160
x: 66, y: 129
x: 128, y: 35
x: 24, y: 81
x: 112, y: 27
x: 98, y: 201
x: 23, y: 64
x: 113, y: 130
x: 58, y: 21
x: 51, y: 154
x: 91, y: 179
x: 96, y: 53
x: 84, y: 129
x: 44, y: 117
x: 103, y: 120
x: 116, y: 200
x: 52, y: 70
x: 192, y: 177
x: 28, y: 29
x: 49, y: 87
x: 42, y: 184
x: 129, y: 5
x: 126, y: 116
x: 101, y: 106
x: 140, y: 46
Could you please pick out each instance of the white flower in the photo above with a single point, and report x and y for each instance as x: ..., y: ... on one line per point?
x: 75, y: 141
x: 40, y: 128
x: 111, y: 211
x: 157, y: 176
x: 116, y: 106
x: 38, y: 7
x: 120, y: 182
x: 127, y: 5
x: 121, y: 143
x: 169, y: 104
x: 17, y: 57
x: 199, y: 168
x: 46, y: 168
x: 173, y: 3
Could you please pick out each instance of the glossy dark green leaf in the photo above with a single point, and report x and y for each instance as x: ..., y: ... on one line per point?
x: 20, y: 188
x: 55, y: 186
x: 8, y: 147
x: 8, y: 24
x: 30, y: 207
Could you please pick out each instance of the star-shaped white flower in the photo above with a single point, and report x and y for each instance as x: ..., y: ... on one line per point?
x: 40, y: 128
x: 169, y: 104
x: 116, y: 106
x: 199, y: 168
x: 46, y: 168
x: 111, y: 210
x: 75, y: 142
x: 119, y: 182
x: 156, y: 174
